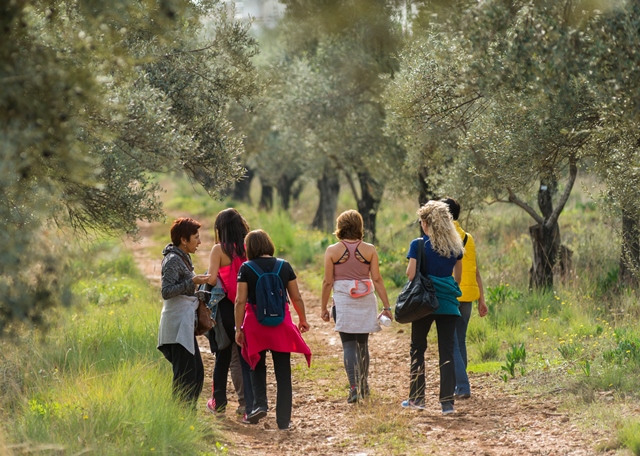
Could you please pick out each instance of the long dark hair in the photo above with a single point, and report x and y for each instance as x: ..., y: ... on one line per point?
x: 231, y: 229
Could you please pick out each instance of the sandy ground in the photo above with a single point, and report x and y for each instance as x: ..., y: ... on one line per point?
x: 492, y: 422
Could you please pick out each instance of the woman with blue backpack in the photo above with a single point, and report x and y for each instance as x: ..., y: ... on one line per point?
x: 263, y: 322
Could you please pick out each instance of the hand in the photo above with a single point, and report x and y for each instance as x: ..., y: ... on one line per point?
x: 324, y: 314
x: 386, y: 313
x: 240, y: 338
x: 201, y: 278
x: 482, y: 308
x: 303, y: 326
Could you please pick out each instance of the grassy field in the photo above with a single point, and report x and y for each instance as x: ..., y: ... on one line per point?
x: 95, y: 381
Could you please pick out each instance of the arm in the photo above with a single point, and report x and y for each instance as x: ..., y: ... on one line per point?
x: 457, y: 271
x: 327, y: 285
x: 214, y: 264
x: 298, y: 304
x: 411, y: 268
x: 482, y: 306
x: 241, y: 301
x: 174, y: 280
x: 378, y: 284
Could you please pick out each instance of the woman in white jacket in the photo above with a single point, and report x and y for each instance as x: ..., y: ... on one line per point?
x: 176, y: 336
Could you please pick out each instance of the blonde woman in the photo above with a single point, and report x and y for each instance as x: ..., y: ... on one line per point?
x: 351, y: 270
x: 443, y: 253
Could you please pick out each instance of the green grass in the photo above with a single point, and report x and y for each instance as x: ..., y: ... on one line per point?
x: 95, y: 382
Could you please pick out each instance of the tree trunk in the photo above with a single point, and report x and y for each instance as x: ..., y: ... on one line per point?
x: 266, y: 197
x: 285, y: 185
x: 546, y: 244
x: 545, y: 238
x: 242, y: 188
x: 329, y: 187
x: 630, y: 254
x: 369, y: 203
x: 425, y: 194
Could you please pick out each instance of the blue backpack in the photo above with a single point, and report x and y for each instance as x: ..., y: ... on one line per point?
x: 271, y: 295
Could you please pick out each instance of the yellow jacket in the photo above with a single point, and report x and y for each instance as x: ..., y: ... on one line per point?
x: 468, y: 284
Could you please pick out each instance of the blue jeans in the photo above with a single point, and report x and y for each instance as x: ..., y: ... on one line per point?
x: 460, y: 349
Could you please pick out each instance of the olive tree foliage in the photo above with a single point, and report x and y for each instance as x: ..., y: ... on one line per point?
x: 522, y: 110
x: 614, y: 56
x: 334, y: 55
x: 94, y: 98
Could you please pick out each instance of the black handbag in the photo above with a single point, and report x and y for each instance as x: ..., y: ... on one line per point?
x: 418, y: 297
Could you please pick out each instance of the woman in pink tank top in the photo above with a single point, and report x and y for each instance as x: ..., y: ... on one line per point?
x: 226, y: 257
x: 351, y: 270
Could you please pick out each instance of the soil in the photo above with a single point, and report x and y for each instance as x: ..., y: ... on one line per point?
x: 495, y: 421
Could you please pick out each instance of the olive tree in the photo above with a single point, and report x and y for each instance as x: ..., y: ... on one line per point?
x: 96, y: 97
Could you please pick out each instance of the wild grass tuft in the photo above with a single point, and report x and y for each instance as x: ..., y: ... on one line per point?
x: 95, y: 381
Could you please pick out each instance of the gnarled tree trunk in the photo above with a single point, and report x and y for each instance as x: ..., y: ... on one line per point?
x: 266, y: 197
x: 546, y: 245
x: 285, y: 192
x: 369, y: 203
x: 630, y: 254
x: 242, y: 188
x: 329, y: 187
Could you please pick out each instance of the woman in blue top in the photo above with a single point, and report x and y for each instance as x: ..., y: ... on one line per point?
x: 443, y: 255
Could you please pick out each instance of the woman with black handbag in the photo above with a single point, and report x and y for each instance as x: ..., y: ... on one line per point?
x: 443, y: 252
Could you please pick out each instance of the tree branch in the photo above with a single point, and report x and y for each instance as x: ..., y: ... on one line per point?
x: 573, y: 172
x: 528, y: 209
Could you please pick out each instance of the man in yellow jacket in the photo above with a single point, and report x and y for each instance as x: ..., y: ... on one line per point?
x: 472, y: 290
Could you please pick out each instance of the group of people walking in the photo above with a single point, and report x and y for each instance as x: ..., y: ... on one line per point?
x: 241, y: 258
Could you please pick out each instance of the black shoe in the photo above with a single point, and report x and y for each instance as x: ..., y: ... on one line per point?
x: 257, y: 415
x: 461, y: 396
x: 353, y: 395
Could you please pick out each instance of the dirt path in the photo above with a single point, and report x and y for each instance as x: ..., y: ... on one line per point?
x: 492, y: 422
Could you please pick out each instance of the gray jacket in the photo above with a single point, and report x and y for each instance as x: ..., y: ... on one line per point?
x: 179, y: 307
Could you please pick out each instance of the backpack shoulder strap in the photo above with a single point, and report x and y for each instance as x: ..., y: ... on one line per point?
x: 255, y: 268
x: 466, y: 238
x: 279, y: 264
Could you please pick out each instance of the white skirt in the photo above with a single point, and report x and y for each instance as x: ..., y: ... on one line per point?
x: 355, y: 315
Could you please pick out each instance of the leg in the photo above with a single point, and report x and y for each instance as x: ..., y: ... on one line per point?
x: 419, y: 332
x: 350, y: 358
x: 363, y: 364
x: 282, y: 369
x: 460, y: 350
x: 236, y: 375
x: 246, y: 380
x: 188, y: 373
x: 446, y: 326
x: 259, y: 382
x: 223, y: 357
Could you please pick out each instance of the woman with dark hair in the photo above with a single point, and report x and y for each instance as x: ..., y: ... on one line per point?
x: 351, y: 270
x: 176, y: 336
x: 443, y: 251
x: 225, y: 259
x: 256, y: 338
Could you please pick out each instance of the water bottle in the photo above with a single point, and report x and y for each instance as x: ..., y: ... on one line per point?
x: 384, y: 320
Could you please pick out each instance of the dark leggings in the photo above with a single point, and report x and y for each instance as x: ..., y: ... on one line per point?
x: 446, y: 327
x: 188, y: 371
x: 223, y: 361
x: 355, y: 349
x: 284, y: 390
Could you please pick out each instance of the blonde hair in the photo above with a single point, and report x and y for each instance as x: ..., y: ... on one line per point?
x: 441, y: 230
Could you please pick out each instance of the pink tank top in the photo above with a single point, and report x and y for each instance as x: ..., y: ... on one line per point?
x: 229, y: 277
x: 352, y: 269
